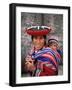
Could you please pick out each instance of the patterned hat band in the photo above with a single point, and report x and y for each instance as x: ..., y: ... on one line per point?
x: 38, y: 30
x: 53, y: 40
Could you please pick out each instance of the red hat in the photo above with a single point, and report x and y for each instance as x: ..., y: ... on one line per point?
x: 38, y: 30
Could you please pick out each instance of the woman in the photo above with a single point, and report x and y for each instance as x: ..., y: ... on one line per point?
x: 42, y: 60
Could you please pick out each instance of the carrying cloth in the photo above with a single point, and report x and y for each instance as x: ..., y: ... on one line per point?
x: 45, y: 56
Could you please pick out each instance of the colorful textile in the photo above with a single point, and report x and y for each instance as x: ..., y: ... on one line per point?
x: 47, y: 62
x: 46, y: 55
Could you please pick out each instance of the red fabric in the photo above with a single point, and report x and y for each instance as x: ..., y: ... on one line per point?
x: 38, y: 32
x: 48, y: 72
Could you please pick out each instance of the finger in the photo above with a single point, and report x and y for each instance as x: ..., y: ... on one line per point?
x: 29, y: 59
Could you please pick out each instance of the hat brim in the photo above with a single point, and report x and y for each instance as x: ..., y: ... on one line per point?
x: 38, y: 32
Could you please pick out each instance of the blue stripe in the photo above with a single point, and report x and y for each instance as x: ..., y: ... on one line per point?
x: 42, y: 52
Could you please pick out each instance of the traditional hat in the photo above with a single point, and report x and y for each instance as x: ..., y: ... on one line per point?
x: 54, y: 39
x: 38, y: 30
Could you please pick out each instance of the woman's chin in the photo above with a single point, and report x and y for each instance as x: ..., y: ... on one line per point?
x: 38, y: 48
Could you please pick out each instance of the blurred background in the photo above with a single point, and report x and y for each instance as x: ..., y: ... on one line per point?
x: 55, y: 21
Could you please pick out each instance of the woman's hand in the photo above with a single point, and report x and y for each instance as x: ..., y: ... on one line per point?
x: 29, y: 64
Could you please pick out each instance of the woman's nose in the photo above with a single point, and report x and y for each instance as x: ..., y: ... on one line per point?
x: 38, y: 40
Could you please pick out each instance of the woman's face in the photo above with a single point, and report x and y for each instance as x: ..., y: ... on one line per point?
x: 38, y: 42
